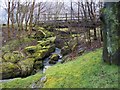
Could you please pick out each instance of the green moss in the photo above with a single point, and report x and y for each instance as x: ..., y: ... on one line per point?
x: 40, y: 54
x: 47, y: 41
x: 26, y: 66
x: 22, y: 82
x: 54, y: 57
x: 9, y: 70
x: 32, y: 49
x: 87, y: 71
x: 12, y: 57
x: 12, y: 44
x: 43, y: 30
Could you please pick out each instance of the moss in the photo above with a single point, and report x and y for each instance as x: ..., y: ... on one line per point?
x: 32, y: 49
x: 65, y: 50
x: 9, y: 70
x: 39, y: 55
x: 38, y: 65
x: 12, y: 57
x: 12, y: 44
x: 44, y: 43
x: 86, y: 71
x: 26, y: 66
x: 39, y: 35
x: 47, y: 41
x: 54, y: 57
x: 22, y: 82
x: 43, y: 30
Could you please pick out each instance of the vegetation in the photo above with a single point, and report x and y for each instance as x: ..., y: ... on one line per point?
x: 85, y: 71
x: 75, y: 45
x: 22, y: 82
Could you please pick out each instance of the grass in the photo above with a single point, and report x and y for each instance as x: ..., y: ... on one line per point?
x: 22, y: 83
x: 12, y: 44
x: 87, y: 71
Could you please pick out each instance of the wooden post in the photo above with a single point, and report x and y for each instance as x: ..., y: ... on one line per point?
x: 8, y: 22
x: 78, y: 10
x: 66, y: 16
x: 71, y: 10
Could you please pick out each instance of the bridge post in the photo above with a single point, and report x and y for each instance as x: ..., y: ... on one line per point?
x: 66, y: 16
x: 78, y: 10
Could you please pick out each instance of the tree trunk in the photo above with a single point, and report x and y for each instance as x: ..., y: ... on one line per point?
x: 31, y: 17
x: 8, y: 22
x: 111, y: 33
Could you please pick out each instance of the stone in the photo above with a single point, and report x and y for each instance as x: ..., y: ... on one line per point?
x: 9, y: 70
x: 65, y: 50
x: 26, y: 66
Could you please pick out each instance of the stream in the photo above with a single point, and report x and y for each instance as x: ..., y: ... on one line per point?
x: 46, y: 61
x: 46, y: 66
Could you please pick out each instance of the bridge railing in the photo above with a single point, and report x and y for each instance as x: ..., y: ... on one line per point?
x: 63, y: 17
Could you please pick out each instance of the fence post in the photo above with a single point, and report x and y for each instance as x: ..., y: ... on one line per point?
x: 66, y: 16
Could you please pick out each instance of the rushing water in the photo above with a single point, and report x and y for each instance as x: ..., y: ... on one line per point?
x: 46, y: 65
x: 46, y: 61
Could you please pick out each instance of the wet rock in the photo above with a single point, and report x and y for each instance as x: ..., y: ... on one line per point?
x: 26, y: 66
x: 81, y: 51
x: 32, y: 49
x: 9, y: 70
x: 39, y: 35
x: 54, y: 58
x: 13, y: 57
x: 65, y: 50
x: 38, y: 65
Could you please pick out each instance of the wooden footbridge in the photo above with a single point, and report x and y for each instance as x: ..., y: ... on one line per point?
x: 68, y: 20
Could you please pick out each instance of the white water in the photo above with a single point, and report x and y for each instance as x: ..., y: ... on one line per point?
x: 46, y: 61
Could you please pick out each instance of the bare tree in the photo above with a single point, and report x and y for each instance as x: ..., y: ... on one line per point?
x: 8, y: 22
x: 31, y: 16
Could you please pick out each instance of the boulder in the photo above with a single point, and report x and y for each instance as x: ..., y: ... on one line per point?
x: 38, y: 65
x: 54, y: 58
x: 81, y: 51
x: 41, y: 54
x: 32, y: 49
x: 47, y: 41
x: 39, y: 35
x: 13, y: 57
x: 9, y: 70
x: 26, y: 66
x: 65, y: 50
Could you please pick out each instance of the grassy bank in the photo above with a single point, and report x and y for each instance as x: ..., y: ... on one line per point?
x: 87, y: 71
x: 22, y: 82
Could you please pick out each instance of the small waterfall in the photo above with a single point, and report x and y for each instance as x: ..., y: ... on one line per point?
x: 46, y: 60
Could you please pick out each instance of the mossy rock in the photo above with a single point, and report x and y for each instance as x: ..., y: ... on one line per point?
x: 65, y: 50
x: 38, y: 65
x: 44, y: 43
x: 32, y: 49
x: 26, y: 66
x: 81, y: 51
x: 9, y: 70
x: 51, y: 48
x: 39, y: 55
x: 47, y: 41
x: 13, y: 57
x: 39, y: 35
x: 46, y: 32
x: 54, y: 57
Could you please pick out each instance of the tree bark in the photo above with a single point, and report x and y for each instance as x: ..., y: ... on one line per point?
x: 111, y: 33
x: 8, y: 22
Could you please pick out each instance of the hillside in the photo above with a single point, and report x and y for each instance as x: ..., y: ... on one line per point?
x: 86, y: 71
